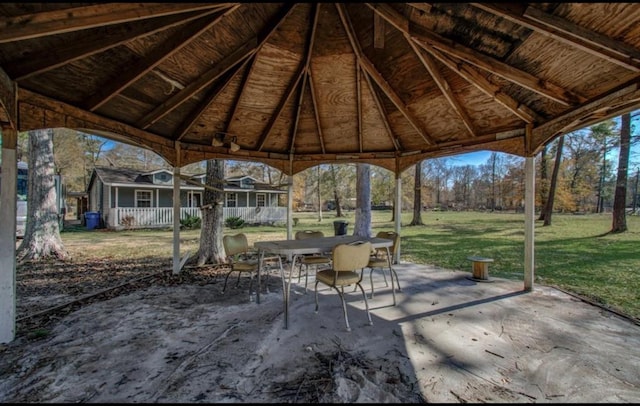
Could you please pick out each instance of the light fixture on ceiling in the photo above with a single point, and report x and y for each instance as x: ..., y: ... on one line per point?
x: 221, y: 139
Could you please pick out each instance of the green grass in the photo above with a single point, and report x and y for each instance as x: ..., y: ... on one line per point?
x: 575, y: 253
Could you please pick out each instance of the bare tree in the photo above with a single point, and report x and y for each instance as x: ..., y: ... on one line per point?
x: 619, y: 224
x: 42, y: 234
x: 548, y: 207
x: 417, y: 197
x: 211, y: 231
x: 544, y: 181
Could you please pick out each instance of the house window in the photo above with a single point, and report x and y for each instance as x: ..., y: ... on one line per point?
x: 232, y: 199
x: 194, y: 199
x: 261, y: 200
x: 143, y: 198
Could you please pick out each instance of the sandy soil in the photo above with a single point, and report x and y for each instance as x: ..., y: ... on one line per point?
x: 171, y: 340
x: 178, y: 339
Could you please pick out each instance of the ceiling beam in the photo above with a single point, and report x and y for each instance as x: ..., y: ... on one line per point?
x: 53, y: 22
x: 159, y: 54
x: 566, y: 32
x: 239, y: 93
x: 477, y: 79
x: 443, y: 85
x: 378, y: 78
x: 314, y: 100
x: 383, y: 114
x: 315, y: 13
x: 488, y: 63
x: 93, y: 42
x: 283, y: 102
x: 194, y: 115
x: 245, y: 51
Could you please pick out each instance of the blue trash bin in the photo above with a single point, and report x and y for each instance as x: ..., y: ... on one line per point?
x: 92, y: 219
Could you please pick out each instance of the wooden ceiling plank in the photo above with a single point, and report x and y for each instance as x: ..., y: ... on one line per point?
x: 567, y: 33
x: 359, y: 106
x: 490, y: 64
x: 245, y: 51
x: 211, y: 96
x: 426, y: 7
x: 378, y: 31
x: 443, y: 85
x: 315, y: 13
x: 159, y: 54
x: 573, y: 30
x: 485, y: 85
x: 93, y: 43
x: 81, y: 18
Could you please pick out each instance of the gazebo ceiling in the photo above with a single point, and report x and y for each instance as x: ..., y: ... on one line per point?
x: 297, y: 84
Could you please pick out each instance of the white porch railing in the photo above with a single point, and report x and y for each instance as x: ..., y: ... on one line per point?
x: 152, y: 217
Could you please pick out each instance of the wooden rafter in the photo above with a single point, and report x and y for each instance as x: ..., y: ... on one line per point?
x: 359, y: 105
x: 194, y: 115
x: 443, y: 85
x: 378, y: 31
x: 159, y: 54
x: 218, y: 70
x: 567, y: 32
x: 94, y: 42
x: 81, y: 18
x: 490, y: 64
x: 243, y: 85
x: 383, y: 114
x: 315, y: 12
x: 314, y: 100
x: 378, y: 78
x: 485, y: 85
x: 8, y: 104
x: 281, y: 104
x: 288, y: 92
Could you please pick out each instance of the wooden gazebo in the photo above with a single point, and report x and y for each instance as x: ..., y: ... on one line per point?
x: 298, y: 84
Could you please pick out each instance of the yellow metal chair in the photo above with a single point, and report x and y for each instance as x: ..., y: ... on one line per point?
x: 240, y: 257
x: 346, y: 259
x: 379, y: 259
x: 311, y: 259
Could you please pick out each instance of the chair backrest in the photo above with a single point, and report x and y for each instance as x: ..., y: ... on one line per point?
x: 349, y: 257
x: 390, y: 235
x: 301, y: 235
x: 235, y: 244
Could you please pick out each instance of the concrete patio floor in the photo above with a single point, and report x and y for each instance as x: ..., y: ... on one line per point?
x: 493, y: 342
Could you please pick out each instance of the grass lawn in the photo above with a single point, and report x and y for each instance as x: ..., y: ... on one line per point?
x: 575, y: 253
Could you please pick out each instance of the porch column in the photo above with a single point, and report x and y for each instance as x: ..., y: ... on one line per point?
x: 529, y: 222
x: 290, y: 208
x: 398, y: 211
x: 176, y: 220
x: 8, y: 236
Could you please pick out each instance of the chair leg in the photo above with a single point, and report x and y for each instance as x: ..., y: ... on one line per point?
x: 238, y: 281
x: 344, y: 306
x: 366, y: 304
x: 316, y: 293
x: 250, y: 284
x: 393, y: 272
x: 225, y: 281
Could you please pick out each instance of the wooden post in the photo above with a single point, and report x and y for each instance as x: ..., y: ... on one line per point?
x: 8, y: 236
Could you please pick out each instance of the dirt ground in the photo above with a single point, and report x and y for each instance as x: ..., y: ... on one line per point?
x: 178, y: 339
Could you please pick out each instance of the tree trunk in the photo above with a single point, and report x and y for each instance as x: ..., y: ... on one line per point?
x: 42, y: 234
x: 363, y: 201
x: 548, y: 207
x: 543, y: 180
x: 211, y: 248
x: 619, y: 201
x: 417, y: 197
x: 336, y: 196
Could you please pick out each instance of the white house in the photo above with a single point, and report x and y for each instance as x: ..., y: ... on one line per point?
x: 132, y: 198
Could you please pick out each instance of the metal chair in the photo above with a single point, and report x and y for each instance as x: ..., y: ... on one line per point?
x: 379, y: 259
x: 311, y: 259
x: 346, y: 259
x: 240, y: 258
